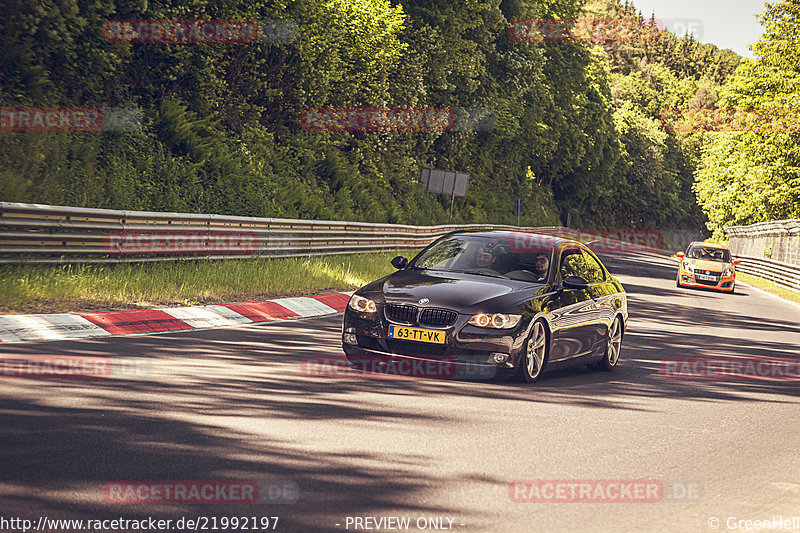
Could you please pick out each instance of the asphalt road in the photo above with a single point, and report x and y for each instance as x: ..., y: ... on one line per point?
x: 237, y: 404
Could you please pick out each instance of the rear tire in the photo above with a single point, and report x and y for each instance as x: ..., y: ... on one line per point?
x: 534, y: 355
x: 614, y: 346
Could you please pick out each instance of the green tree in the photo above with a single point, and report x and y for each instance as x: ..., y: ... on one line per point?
x: 748, y: 177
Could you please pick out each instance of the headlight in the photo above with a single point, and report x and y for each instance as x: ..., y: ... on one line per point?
x: 727, y: 272
x: 496, y: 321
x: 361, y: 304
x: 688, y: 267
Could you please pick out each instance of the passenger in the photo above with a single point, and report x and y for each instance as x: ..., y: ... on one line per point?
x: 542, y: 266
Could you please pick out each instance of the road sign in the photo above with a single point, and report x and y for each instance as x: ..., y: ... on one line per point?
x: 460, y: 185
x: 445, y: 182
x: 519, y: 209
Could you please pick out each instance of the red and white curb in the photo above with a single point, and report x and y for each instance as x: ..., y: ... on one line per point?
x: 26, y: 328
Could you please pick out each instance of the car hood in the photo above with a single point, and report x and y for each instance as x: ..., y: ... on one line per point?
x: 711, y: 266
x: 450, y: 290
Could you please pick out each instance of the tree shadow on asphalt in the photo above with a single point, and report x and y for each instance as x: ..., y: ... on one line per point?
x: 56, y: 445
x: 78, y: 450
x: 82, y: 434
x: 691, y: 315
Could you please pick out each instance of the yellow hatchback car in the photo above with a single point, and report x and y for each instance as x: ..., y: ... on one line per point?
x: 707, y: 265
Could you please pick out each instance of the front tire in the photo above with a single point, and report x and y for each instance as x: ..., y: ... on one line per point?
x: 534, y: 355
x: 613, y: 347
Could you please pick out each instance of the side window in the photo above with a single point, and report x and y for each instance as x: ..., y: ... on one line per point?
x: 572, y: 263
x: 594, y: 272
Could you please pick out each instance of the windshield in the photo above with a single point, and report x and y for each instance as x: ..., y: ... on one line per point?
x: 709, y: 253
x: 487, y: 256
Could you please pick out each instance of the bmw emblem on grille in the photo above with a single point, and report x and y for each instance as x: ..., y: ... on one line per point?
x: 423, y: 301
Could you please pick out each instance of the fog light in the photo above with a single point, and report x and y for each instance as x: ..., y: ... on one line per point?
x: 350, y: 338
x: 498, y: 358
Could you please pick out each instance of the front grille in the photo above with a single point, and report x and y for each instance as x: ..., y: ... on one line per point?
x: 705, y: 282
x: 439, y: 318
x: 405, y: 314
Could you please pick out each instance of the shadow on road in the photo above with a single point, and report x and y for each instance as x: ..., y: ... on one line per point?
x: 60, y: 436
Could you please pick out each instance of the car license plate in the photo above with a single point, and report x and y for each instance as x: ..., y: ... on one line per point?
x: 416, y: 334
x: 706, y: 278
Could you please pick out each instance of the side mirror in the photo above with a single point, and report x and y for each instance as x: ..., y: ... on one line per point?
x: 680, y: 254
x: 400, y: 262
x: 575, y: 282
x: 737, y: 262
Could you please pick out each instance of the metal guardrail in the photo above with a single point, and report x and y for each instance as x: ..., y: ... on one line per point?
x: 35, y: 233
x: 769, y: 250
x: 782, y: 274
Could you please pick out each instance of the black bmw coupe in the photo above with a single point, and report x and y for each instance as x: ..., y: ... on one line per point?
x: 502, y: 302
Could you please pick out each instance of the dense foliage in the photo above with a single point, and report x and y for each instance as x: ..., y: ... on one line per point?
x: 576, y: 130
x: 754, y: 176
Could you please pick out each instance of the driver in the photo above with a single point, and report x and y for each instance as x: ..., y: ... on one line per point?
x: 542, y: 266
x: 487, y: 256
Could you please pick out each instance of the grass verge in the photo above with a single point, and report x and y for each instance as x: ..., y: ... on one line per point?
x: 766, y: 285
x: 92, y: 287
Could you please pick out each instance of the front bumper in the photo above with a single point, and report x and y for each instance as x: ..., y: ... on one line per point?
x: 723, y: 283
x: 468, y: 351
